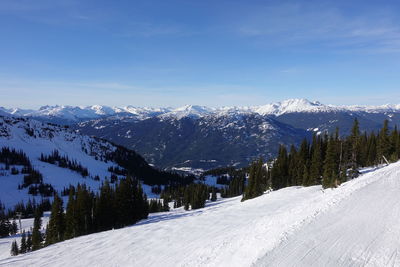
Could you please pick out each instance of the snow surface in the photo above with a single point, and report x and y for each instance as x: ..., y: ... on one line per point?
x: 353, y: 225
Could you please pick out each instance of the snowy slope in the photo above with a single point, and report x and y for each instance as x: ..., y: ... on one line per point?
x: 34, y: 138
x: 363, y: 230
x: 234, y: 233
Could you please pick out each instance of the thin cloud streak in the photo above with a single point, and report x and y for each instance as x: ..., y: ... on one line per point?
x: 297, y: 24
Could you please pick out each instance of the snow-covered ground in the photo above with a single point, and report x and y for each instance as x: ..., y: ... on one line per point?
x: 355, y: 224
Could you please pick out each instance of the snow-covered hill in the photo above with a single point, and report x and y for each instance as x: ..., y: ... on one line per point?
x: 353, y: 225
x: 35, y: 138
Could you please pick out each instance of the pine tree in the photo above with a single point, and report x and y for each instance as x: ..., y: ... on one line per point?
x: 255, y: 186
x: 70, y: 216
x: 23, y: 247
x: 165, y: 206
x: 330, y: 175
x: 279, y: 175
x: 29, y: 242
x: 36, y: 234
x: 14, y: 227
x: 213, y: 194
x: 14, y: 248
x: 316, y: 163
x: 384, y: 142
x: 105, y: 210
x: 354, y: 140
x: 56, y: 227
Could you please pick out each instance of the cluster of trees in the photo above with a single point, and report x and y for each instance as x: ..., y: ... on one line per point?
x: 258, y: 180
x: 195, y: 196
x: 25, y: 246
x: 30, y: 242
x: 28, y: 210
x: 31, y: 176
x: 13, y: 157
x: 86, y: 212
x: 34, y: 180
x: 156, y: 205
x: 117, y: 170
x: 328, y: 160
x: 45, y: 190
x: 64, y: 162
x: 192, y: 196
x: 331, y: 160
x: 6, y: 227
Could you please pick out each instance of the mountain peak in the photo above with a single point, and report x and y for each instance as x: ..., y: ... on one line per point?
x: 292, y: 106
x: 192, y: 111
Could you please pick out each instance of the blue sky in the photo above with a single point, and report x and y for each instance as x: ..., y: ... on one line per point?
x: 209, y: 52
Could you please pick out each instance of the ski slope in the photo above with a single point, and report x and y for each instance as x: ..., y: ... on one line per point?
x: 353, y: 225
x: 363, y: 230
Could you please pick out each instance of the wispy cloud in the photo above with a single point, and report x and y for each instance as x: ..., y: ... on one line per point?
x: 296, y: 24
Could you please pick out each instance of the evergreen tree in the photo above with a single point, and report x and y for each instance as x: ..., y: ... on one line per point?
x: 29, y: 242
x: 105, y: 210
x: 13, y: 227
x: 56, y: 227
x: 330, y: 175
x: 354, y: 140
x: 24, y: 246
x: 255, y: 186
x: 36, y: 234
x: 14, y: 248
x: 70, y: 216
x: 5, y: 227
x: 279, y: 175
x: 213, y: 194
x: 384, y: 142
x: 165, y: 206
x: 316, y: 163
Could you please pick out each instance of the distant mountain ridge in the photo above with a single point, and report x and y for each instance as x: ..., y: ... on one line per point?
x: 203, y: 137
x: 73, y: 114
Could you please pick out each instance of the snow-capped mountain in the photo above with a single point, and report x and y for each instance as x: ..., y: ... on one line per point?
x: 198, y: 136
x: 73, y: 114
x: 294, y: 106
x: 187, y: 111
x: 85, y: 159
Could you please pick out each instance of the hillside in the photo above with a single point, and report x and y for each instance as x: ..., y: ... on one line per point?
x: 355, y: 224
x: 79, y: 159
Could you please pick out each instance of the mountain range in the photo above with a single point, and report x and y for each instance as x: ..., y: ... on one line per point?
x: 205, y: 137
x: 73, y: 114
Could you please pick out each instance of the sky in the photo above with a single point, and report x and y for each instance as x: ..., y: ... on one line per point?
x: 204, y: 52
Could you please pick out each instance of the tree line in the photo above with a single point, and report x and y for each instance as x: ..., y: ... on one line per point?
x: 87, y: 212
x: 64, y: 162
x: 328, y: 160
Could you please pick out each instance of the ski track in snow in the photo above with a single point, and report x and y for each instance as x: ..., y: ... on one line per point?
x: 361, y: 231
x: 352, y: 225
